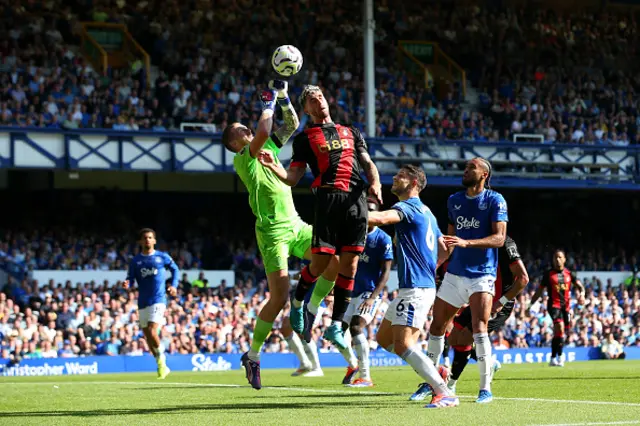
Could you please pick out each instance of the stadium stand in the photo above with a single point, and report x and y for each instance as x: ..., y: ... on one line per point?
x: 535, y: 70
x: 62, y: 319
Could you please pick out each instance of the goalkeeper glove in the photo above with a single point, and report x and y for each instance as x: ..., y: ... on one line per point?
x: 281, y: 87
x: 268, y: 99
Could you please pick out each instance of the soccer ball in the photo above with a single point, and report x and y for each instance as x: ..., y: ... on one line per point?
x: 287, y: 60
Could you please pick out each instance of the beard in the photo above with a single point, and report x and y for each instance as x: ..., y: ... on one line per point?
x: 399, y: 190
x: 469, y: 182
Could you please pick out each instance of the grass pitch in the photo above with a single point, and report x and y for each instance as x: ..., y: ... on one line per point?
x: 583, y: 393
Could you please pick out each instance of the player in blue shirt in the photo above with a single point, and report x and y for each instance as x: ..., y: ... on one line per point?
x: 420, y: 249
x: 148, y: 269
x: 477, y: 229
x: 374, y: 267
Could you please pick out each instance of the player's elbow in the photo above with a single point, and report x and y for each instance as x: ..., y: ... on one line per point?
x: 522, y: 281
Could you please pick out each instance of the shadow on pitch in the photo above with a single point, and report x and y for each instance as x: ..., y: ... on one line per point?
x: 239, y: 407
x: 311, y: 394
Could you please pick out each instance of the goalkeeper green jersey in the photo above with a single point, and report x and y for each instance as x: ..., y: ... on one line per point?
x: 269, y: 197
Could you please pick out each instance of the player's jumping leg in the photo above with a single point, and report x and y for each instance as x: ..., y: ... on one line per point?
x: 342, y: 297
x: 323, y: 287
x: 308, y: 276
x: 320, y: 292
x: 480, y: 304
x: 278, y: 283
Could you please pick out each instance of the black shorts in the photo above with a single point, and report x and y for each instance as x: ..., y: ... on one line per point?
x: 340, y: 221
x: 463, y: 320
x: 559, y: 315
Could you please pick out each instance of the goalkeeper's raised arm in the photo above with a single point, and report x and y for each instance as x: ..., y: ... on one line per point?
x: 289, y: 115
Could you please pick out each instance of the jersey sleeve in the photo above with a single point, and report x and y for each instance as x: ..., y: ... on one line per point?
x: 360, y: 145
x: 511, y: 250
x: 300, y: 148
x: 405, y: 211
x: 388, y: 247
x: 273, y: 144
x: 498, y: 210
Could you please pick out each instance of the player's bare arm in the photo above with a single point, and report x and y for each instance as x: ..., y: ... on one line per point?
x: 385, y: 270
x: 495, y: 240
x: 443, y: 252
x: 520, y: 281
x: 291, y: 122
x: 536, y: 295
x: 578, y: 284
x: 290, y: 177
x: 387, y: 217
x: 373, y: 176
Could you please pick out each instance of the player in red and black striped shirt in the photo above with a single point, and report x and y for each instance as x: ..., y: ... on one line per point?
x: 558, y: 282
x: 336, y: 155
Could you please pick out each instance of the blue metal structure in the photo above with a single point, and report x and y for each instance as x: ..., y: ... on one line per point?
x: 524, y: 165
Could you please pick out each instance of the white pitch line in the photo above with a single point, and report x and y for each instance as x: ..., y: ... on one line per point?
x: 325, y: 391
x: 623, y: 422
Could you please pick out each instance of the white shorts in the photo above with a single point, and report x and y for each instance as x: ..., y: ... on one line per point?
x: 353, y: 308
x: 411, y: 307
x: 456, y: 290
x: 153, y: 313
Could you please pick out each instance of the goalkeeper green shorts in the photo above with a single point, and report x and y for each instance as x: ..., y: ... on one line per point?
x: 276, y: 244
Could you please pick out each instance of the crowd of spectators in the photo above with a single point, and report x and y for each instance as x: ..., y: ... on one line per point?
x: 62, y: 320
x: 570, y: 77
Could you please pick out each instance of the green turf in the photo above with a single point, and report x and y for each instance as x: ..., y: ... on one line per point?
x: 601, y: 392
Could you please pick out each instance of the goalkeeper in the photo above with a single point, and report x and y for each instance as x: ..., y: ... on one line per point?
x: 279, y: 230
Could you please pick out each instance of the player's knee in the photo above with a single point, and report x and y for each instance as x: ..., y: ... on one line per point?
x: 480, y: 325
x: 437, y: 329
x: 400, y: 347
x: 355, y: 329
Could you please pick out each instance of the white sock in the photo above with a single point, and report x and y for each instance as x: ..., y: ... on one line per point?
x: 435, y: 348
x: 425, y: 368
x: 349, y: 356
x: 311, y: 349
x: 483, y: 351
x: 159, y: 355
x: 253, y: 355
x: 295, y: 344
x: 312, y: 308
x: 339, y: 323
x: 361, y: 346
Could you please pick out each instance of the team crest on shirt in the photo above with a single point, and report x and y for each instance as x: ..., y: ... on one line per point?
x: 158, y: 260
x: 345, y: 132
x: 482, y: 205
